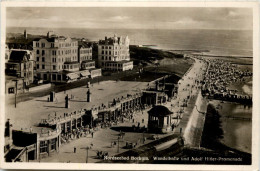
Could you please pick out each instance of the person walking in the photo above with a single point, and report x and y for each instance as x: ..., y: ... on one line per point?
x: 92, y: 134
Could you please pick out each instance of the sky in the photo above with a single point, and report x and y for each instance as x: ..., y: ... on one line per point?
x: 131, y: 17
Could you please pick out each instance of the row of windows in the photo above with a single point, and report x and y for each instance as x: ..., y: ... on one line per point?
x: 85, y: 51
x: 38, y: 44
x: 106, y: 58
x: 66, y: 66
x: 38, y: 52
x: 68, y: 44
x: 60, y: 44
x: 113, y: 65
x: 109, y: 58
x: 60, y: 52
x: 67, y: 59
x: 44, y: 145
x: 85, y: 58
x: 88, y: 64
x: 38, y: 59
x: 116, y: 47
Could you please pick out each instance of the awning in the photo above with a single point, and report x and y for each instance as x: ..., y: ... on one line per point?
x: 85, y: 73
x: 72, y: 76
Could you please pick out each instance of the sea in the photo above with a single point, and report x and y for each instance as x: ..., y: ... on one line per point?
x: 217, y: 42
x: 235, y: 43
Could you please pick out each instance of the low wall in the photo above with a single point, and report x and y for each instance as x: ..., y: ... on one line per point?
x: 194, y: 129
x: 40, y: 87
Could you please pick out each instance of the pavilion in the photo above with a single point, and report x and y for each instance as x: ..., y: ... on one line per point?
x: 159, y: 119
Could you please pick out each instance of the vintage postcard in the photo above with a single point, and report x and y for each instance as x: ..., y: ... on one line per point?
x: 130, y: 85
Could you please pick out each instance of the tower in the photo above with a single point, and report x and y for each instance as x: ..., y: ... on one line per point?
x: 25, y: 34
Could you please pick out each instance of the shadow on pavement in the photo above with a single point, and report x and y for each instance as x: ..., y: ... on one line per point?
x: 128, y: 129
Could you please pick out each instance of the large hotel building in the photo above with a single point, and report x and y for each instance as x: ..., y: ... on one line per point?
x: 58, y: 60
x: 113, y: 54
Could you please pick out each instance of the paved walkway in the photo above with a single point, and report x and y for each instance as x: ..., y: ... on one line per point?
x: 102, y: 138
x: 31, y: 112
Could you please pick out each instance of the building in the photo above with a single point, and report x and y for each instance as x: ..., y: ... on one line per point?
x: 113, y: 54
x: 55, y: 57
x: 160, y: 120
x: 21, y: 65
x: 62, y: 60
x: 33, y: 144
x: 85, y: 55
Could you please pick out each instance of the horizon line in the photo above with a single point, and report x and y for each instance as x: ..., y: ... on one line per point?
x: 131, y: 28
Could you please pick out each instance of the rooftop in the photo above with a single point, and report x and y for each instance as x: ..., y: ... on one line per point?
x: 113, y: 40
x: 159, y: 111
x: 84, y: 44
x: 18, y: 56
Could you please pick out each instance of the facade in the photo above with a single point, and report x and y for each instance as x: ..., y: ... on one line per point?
x: 62, y: 60
x: 85, y: 55
x: 33, y: 145
x: 53, y: 55
x: 113, y: 54
x: 21, y: 65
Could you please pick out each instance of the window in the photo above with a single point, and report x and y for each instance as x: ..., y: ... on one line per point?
x: 109, y: 58
x: 43, y: 59
x: 54, y: 67
x: 102, y: 57
x: 43, y: 44
x: 54, y: 77
x: 102, y: 47
x: 102, y: 52
x: 43, y: 146
x: 52, y: 45
x: 43, y: 52
x: 37, y: 66
x: 43, y: 66
x: 37, y: 52
x: 38, y: 58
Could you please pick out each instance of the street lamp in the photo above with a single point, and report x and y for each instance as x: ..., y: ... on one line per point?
x: 143, y: 137
x: 15, y: 92
x: 118, y: 143
x: 87, y: 148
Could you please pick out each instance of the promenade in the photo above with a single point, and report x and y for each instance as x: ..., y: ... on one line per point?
x: 103, y: 138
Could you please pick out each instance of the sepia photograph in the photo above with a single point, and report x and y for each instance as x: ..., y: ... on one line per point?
x: 149, y: 84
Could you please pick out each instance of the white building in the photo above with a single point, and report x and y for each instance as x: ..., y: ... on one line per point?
x: 60, y: 59
x: 113, y: 54
x: 54, y: 55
